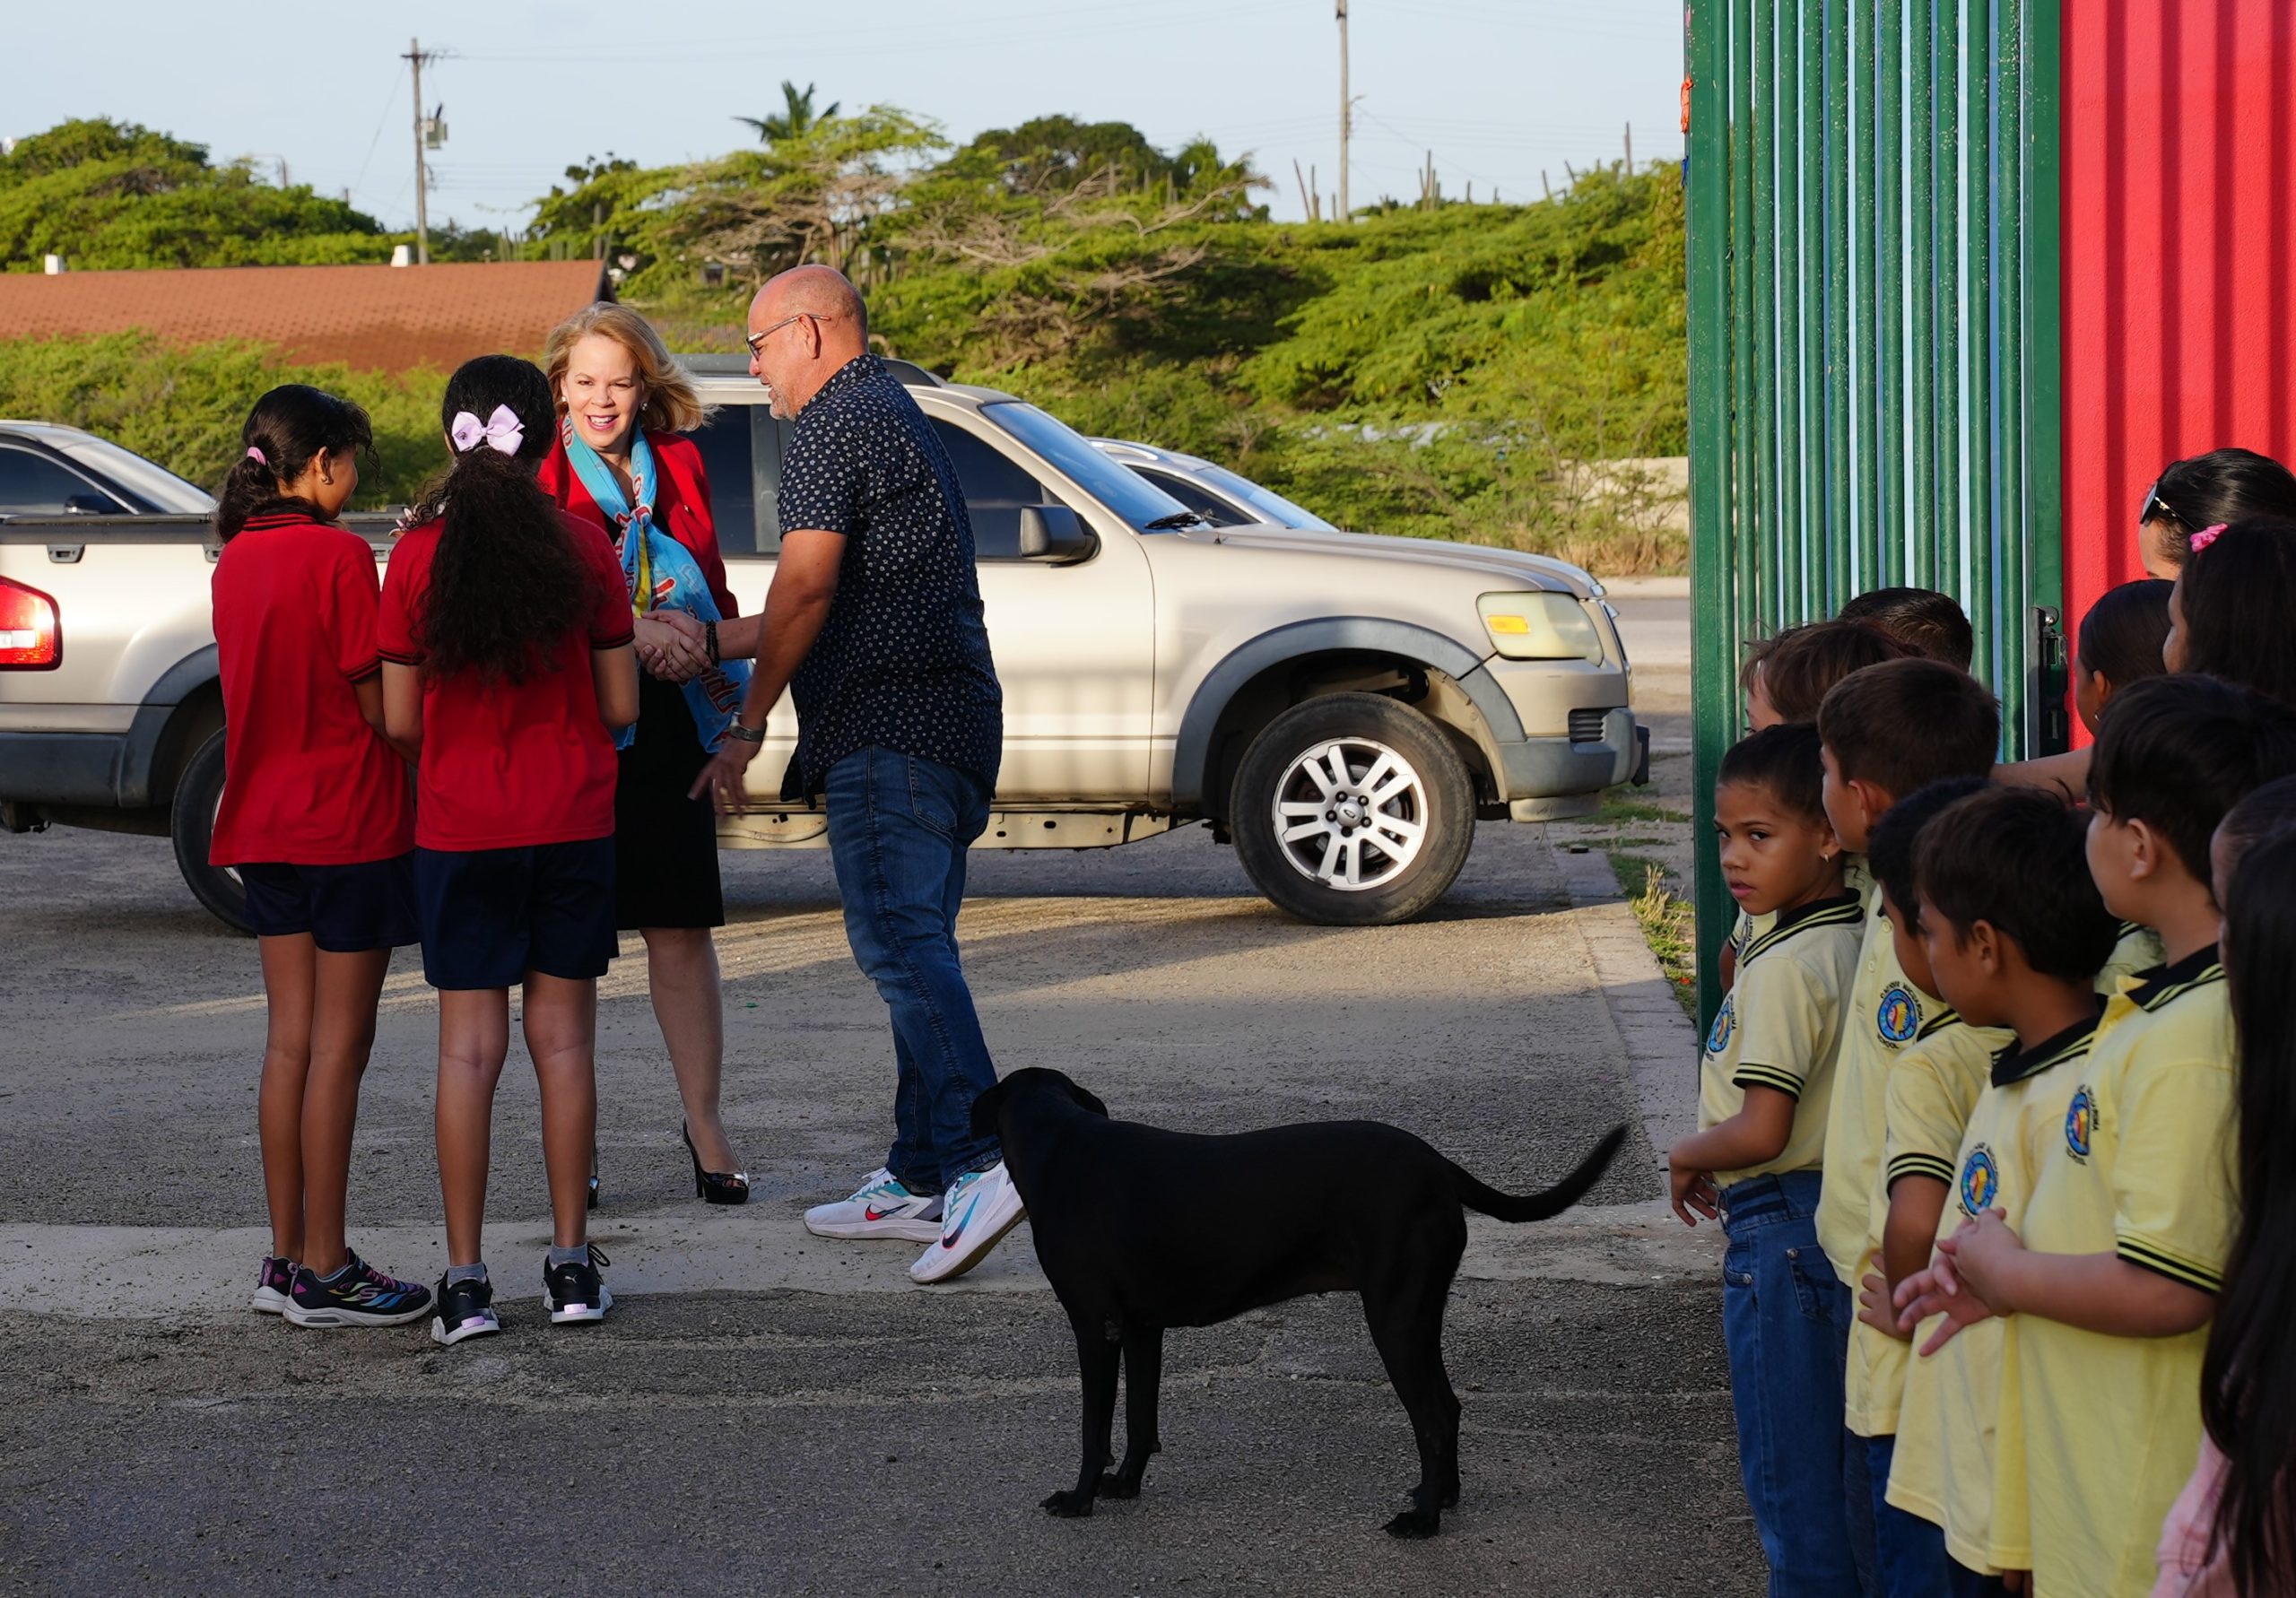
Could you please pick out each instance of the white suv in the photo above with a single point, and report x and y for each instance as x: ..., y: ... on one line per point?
x: 1342, y: 707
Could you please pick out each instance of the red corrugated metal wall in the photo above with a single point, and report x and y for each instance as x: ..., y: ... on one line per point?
x: 2180, y: 267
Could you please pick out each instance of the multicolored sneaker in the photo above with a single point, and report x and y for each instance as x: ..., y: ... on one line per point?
x: 575, y: 1292
x: 273, y: 1285
x: 881, y: 1207
x: 979, y: 1207
x: 465, y: 1309
x: 358, y: 1295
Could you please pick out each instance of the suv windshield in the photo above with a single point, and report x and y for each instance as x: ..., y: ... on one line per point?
x: 1113, y: 485
x: 1270, y: 504
x: 168, y: 493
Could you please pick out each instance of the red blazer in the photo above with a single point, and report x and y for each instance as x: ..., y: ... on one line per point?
x: 682, y: 507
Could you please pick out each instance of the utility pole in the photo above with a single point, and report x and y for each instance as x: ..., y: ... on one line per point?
x: 1346, y: 112
x: 415, y: 58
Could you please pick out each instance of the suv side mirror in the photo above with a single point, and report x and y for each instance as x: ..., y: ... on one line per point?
x: 1056, y: 535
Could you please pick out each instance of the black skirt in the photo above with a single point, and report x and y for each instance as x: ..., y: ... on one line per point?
x: 665, y: 845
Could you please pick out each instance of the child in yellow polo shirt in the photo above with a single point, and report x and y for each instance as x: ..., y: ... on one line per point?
x: 1933, y: 1083
x: 1753, y: 1163
x: 1887, y: 731
x: 2113, y: 1274
x: 2014, y: 931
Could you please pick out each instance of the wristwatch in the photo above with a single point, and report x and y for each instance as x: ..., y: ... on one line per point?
x: 735, y: 729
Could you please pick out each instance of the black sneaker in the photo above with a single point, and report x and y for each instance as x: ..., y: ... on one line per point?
x: 465, y: 1309
x: 575, y: 1292
x: 358, y: 1295
x: 271, y: 1286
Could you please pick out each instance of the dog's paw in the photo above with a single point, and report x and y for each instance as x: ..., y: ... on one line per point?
x: 1451, y: 1496
x: 1113, y: 1486
x: 1415, y: 1524
x: 1069, y: 1506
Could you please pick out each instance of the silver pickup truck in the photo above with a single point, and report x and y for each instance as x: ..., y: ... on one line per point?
x: 1342, y: 707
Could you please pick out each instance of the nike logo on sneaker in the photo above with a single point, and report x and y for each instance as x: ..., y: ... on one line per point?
x: 949, y: 1238
x: 871, y: 1212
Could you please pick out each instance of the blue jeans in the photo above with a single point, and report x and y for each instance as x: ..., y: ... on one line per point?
x: 898, y: 828
x: 1910, y: 1551
x: 1785, y: 1323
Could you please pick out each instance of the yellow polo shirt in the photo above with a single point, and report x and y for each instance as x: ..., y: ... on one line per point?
x: 1885, y: 1012
x: 2141, y: 1167
x: 1778, y: 1025
x: 1934, y: 1084
x: 1959, y: 1424
x: 2137, y: 952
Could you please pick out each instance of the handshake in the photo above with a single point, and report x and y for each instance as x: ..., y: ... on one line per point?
x: 672, y: 645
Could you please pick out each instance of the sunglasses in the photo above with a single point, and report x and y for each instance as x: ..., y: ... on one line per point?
x: 2155, y: 506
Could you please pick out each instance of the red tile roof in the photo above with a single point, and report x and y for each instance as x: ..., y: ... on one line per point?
x: 373, y: 317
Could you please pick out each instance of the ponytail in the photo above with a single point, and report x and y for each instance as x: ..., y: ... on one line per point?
x: 289, y: 429
x: 506, y: 583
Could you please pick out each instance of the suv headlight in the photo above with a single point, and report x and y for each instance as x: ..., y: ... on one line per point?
x: 1539, y: 627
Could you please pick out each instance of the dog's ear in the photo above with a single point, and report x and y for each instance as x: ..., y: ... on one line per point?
x: 1085, y: 1099
x: 986, y: 1108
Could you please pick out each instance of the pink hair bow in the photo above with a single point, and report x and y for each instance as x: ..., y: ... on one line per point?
x: 2205, y: 537
x: 503, y: 430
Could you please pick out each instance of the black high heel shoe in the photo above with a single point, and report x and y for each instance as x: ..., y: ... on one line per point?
x: 716, y: 1187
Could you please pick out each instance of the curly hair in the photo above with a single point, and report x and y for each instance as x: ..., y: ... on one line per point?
x: 671, y: 405
x: 506, y: 583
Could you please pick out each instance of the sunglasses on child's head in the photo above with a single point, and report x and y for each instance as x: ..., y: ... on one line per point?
x: 2156, y: 506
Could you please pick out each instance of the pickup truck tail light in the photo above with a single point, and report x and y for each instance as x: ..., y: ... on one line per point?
x: 30, y: 637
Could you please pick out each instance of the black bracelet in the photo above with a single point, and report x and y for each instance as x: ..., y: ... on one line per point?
x: 710, y: 631
x: 746, y: 735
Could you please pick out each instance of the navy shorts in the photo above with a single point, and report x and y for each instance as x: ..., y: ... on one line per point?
x: 346, y: 909
x: 491, y: 916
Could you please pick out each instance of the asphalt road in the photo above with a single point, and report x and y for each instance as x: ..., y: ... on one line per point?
x: 765, y: 1410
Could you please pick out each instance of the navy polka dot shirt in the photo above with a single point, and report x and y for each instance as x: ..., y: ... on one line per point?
x: 902, y: 662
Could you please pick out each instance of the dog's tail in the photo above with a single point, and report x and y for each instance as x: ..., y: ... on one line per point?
x: 1555, y: 1200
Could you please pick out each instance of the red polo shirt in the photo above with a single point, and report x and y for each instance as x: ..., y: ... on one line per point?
x: 307, y: 781
x: 510, y: 764
x: 681, y: 490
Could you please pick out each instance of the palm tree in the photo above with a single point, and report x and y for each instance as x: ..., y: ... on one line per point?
x: 795, y: 120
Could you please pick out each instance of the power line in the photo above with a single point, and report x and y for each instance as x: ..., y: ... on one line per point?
x: 382, y: 116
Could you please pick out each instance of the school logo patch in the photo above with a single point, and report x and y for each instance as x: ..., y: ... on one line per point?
x: 1980, y: 1182
x: 1898, y: 1017
x: 1726, y: 1022
x: 2080, y: 1123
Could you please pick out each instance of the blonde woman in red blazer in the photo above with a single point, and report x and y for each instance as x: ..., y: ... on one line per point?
x: 614, y: 380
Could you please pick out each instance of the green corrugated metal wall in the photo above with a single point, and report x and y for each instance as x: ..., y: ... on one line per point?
x: 1873, y: 389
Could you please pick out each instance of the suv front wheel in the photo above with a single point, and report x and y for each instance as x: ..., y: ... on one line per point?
x: 1352, y: 810
x: 192, y: 824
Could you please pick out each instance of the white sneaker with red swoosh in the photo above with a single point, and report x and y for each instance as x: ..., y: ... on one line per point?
x: 975, y: 1212
x: 881, y: 1207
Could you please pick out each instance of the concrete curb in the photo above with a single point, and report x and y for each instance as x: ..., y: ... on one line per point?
x: 1660, y: 1045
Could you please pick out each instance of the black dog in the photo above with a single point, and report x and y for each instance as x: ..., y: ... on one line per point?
x: 1139, y: 1228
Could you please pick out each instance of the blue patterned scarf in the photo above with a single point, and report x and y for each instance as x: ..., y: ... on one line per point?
x: 663, y: 575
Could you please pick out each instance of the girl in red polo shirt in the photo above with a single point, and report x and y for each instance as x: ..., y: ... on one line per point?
x: 508, y: 667
x: 314, y: 817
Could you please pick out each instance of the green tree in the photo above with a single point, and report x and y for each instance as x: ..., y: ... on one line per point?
x: 107, y: 193
x: 795, y: 118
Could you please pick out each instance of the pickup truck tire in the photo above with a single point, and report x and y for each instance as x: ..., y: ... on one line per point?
x: 1352, y: 810
x: 192, y: 826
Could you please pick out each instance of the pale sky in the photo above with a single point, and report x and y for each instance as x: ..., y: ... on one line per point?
x: 1499, y: 89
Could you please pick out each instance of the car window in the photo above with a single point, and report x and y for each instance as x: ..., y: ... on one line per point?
x: 994, y: 489
x: 1134, y: 498
x: 1196, y: 497
x: 1270, y: 505
x: 160, y: 490
x: 34, y: 485
x: 739, y: 450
